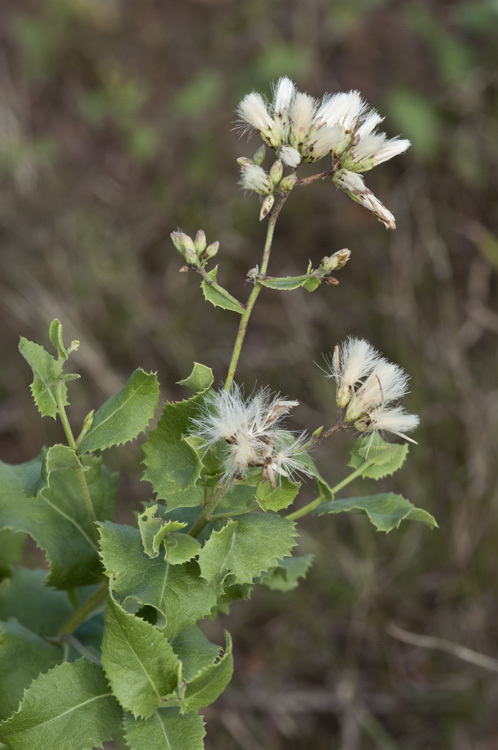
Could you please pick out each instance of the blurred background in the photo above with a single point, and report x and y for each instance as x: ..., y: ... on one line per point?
x: 116, y: 127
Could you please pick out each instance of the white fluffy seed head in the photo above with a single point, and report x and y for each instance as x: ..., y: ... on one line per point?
x: 325, y: 140
x: 341, y: 109
x: 386, y: 383
x: 282, y: 95
x: 245, y: 428
x: 289, y: 456
x: 253, y: 111
x: 354, y: 185
x: 301, y: 113
x: 388, y: 419
x: 350, y: 364
x: 290, y: 156
x: 256, y: 179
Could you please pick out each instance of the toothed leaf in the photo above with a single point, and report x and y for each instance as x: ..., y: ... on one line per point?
x: 23, y: 655
x: 167, y: 729
x: 380, y: 458
x: 211, y: 681
x: 69, y: 706
x: 125, y: 415
x: 242, y: 549
x: 178, y: 593
x: 139, y: 663
x: 385, y: 511
x: 286, y: 575
x: 220, y: 299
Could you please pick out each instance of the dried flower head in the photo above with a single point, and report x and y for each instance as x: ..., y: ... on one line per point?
x: 341, y: 126
x: 351, y: 363
x: 248, y: 429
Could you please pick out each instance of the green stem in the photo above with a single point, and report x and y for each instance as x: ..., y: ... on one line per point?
x: 334, y: 490
x: 213, y: 496
x: 80, y: 648
x: 63, y: 417
x: 255, y: 292
x: 72, y: 444
x: 81, y: 614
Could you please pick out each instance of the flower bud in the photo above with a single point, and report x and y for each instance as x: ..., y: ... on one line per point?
x: 336, y: 261
x: 211, y: 250
x: 176, y: 239
x: 266, y: 206
x: 259, y: 156
x: 276, y: 172
x: 200, y: 242
x: 287, y: 183
x: 243, y: 161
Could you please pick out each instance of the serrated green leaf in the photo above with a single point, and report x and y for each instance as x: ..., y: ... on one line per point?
x: 60, y: 458
x: 46, y: 372
x: 11, y: 549
x: 153, y: 530
x: 166, y: 730
x: 239, y: 497
x: 200, y: 379
x: 220, y: 299
x: 177, y: 592
x: 55, y: 333
x: 195, y: 651
x: 173, y: 466
x: 283, y: 283
x: 286, y: 575
x: 231, y: 593
x: 383, y: 458
x: 244, y: 548
x: 385, y: 511
x: 71, y: 696
x: 180, y: 548
x: 211, y: 681
x: 279, y: 498
x: 125, y: 415
x: 38, y: 607
x: 139, y: 663
x: 57, y: 519
x: 23, y: 655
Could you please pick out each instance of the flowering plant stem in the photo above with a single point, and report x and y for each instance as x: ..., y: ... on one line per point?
x: 212, y: 498
x: 310, y: 507
x: 89, y: 605
x: 255, y: 292
x: 73, y: 444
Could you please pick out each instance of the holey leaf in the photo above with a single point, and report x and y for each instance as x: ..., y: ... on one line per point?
x: 125, y: 415
x: 178, y: 593
x: 139, y: 663
x: 385, y: 511
x: 71, y: 707
x: 167, y: 729
x: 57, y: 518
x: 244, y: 548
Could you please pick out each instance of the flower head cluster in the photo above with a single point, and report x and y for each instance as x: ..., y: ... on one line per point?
x: 249, y: 433
x: 368, y: 386
x: 302, y: 128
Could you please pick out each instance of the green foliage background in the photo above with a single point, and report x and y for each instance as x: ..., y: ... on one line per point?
x: 115, y: 128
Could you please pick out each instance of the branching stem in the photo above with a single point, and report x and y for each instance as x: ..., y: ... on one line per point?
x: 255, y: 291
x: 84, y: 610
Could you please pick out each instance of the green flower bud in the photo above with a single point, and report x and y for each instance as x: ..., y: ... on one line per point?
x: 259, y: 156
x: 336, y: 261
x: 211, y: 250
x: 243, y: 161
x: 276, y: 172
x: 200, y: 242
x: 287, y: 183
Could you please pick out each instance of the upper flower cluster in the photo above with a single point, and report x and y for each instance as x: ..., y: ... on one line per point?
x: 368, y: 385
x: 302, y: 128
x: 249, y: 434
